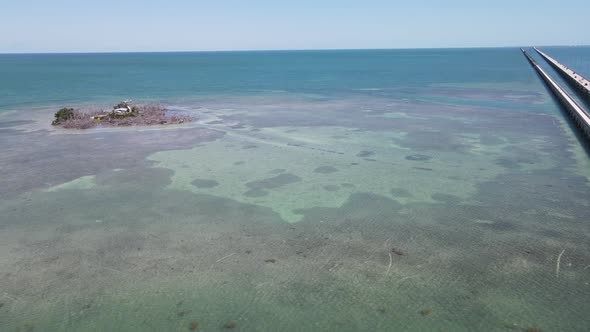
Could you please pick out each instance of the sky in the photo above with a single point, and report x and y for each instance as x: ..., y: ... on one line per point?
x: 42, y: 26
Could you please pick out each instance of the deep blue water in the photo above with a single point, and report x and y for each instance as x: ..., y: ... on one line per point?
x: 37, y: 79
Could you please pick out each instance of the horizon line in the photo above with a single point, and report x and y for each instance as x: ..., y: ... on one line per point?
x: 288, y: 50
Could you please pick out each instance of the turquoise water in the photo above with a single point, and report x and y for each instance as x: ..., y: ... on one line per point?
x: 64, y: 78
x: 384, y: 190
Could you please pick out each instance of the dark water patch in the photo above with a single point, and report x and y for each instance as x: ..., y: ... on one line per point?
x: 238, y: 163
x: 360, y: 207
x: 433, y: 141
x: 37, y: 160
x: 554, y: 190
x: 365, y: 153
x: 115, y: 218
x: 249, y: 146
x: 14, y: 123
x: 257, y: 192
x: 400, y: 192
x: 370, y: 159
x: 423, y: 169
x: 331, y: 187
x: 10, y: 131
x: 466, y: 224
x: 214, y: 122
x: 446, y: 198
x: 418, y: 157
x: 354, y: 164
x: 278, y: 171
x: 296, y: 144
x: 274, y: 182
x: 332, y: 151
x: 326, y: 169
x: 507, y: 163
x: 348, y: 185
x: 204, y: 183
x: 518, y: 157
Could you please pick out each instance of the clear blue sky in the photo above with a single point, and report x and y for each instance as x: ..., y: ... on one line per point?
x: 194, y: 25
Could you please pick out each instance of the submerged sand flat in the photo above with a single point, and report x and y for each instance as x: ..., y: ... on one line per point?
x: 299, y: 213
x: 293, y: 168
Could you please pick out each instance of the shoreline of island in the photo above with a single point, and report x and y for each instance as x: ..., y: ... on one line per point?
x: 123, y: 114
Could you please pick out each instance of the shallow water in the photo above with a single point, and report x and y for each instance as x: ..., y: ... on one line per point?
x: 345, y: 191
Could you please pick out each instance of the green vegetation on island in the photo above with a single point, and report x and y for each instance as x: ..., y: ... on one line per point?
x: 122, y: 114
x: 63, y: 115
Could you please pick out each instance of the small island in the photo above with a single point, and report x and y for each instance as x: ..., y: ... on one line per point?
x: 122, y: 114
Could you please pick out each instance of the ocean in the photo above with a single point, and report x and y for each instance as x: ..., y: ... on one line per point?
x: 352, y: 190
